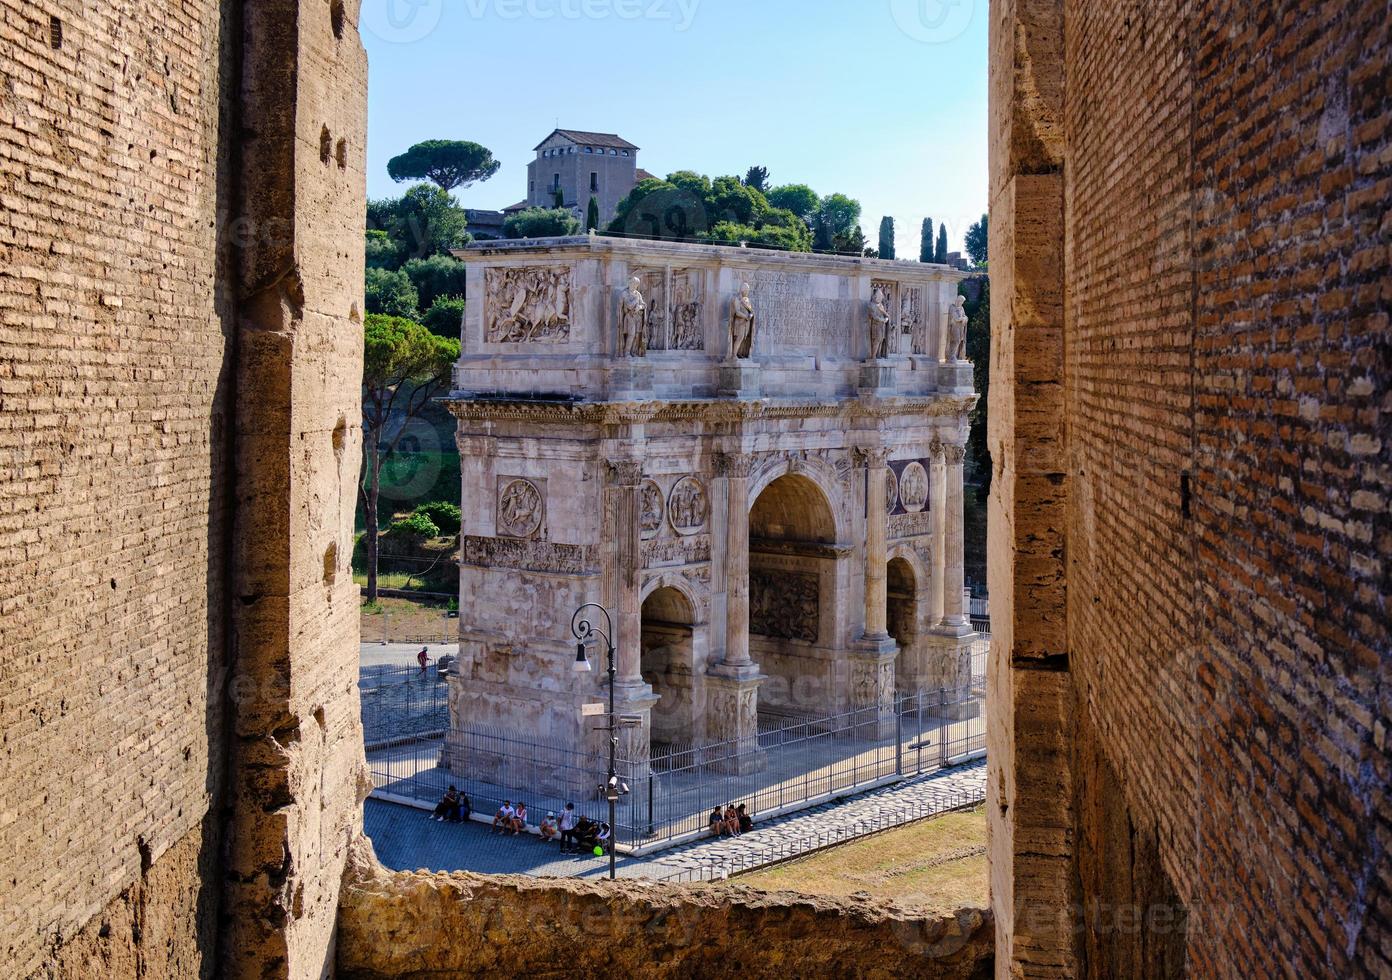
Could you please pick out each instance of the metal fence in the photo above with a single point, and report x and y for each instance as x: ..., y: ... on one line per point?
x: 798, y: 762
x: 402, y: 702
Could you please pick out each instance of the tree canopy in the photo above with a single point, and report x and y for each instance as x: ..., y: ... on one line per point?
x: 941, y: 255
x: 541, y: 223
x: 434, y: 277
x: 925, y: 246
x: 390, y: 293
x: 887, y: 237
x: 757, y: 178
x: 976, y: 241
x: 424, y: 221
x: 447, y: 163
x: 797, y: 198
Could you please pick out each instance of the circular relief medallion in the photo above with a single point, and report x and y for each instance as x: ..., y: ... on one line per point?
x: 913, y: 487
x: 653, y: 509
x: 519, y: 509
x: 687, y: 507
x: 891, y: 490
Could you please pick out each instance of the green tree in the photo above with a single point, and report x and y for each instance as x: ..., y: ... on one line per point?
x: 424, y: 221
x: 841, y: 214
x: 541, y: 223
x: 558, y: 198
x: 404, y: 367
x: 757, y: 178
x: 925, y: 248
x: 391, y: 293
x: 731, y: 200
x: 592, y: 214
x: 979, y: 353
x: 383, y: 252
x: 416, y: 528
x: 436, y: 276
x: 887, y: 237
x: 940, y: 256
x: 445, y: 316
x: 447, y: 163
x: 690, y: 180
x: 976, y: 241
x: 797, y: 198
x: 852, y: 242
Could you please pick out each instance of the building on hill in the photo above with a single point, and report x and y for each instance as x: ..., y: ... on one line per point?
x: 581, y: 165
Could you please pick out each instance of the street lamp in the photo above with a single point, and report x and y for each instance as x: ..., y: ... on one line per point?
x: 584, y: 631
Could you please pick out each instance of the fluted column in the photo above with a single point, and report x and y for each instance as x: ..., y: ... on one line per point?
x: 954, y: 606
x: 735, y: 470
x: 623, y: 491
x: 938, y: 508
x: 876, y: 536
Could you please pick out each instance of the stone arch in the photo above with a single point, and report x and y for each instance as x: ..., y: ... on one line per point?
x: 820, y: 475
x: 668, y: 660
x: 800, y: 503
x: 699, y: 603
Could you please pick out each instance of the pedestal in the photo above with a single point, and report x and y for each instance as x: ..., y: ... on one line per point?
x: 732, y: 718
x: 738, y: 379
x: 956, y: 376
x: 631, y: 377
x: 872, y: 686
x: 877, y: 378
x: 949, y: 655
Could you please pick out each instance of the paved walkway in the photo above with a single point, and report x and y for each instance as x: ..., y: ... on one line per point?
x: 406, y: 838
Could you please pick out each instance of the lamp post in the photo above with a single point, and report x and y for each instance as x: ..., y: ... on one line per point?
x: 584, y: 631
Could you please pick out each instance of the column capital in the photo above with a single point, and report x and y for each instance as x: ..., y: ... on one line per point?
x: 936, y: 449
x: 624, y: 472
x: 871, y: 457
x: 956, y: 455
x: 734, y: 465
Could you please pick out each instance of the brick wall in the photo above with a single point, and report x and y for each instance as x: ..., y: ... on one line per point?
x: 114, y: 492
x: 181, y: 201
x: 1223, y: 591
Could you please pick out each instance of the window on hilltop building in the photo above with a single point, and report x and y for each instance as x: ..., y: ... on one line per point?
x: 589, y: 149
x: 594, y: 182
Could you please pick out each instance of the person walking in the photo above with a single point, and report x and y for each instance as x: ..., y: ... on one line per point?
x: 423, y: 658
x: 569, y: 819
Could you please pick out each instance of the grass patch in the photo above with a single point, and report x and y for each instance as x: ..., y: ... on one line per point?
x: 939, y: 863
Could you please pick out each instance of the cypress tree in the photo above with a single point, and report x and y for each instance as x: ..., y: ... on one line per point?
x: 941, y: 257
x: 925, y: 248
x: 592, y: 214
x: 560, y: 197
x: 886, y: 237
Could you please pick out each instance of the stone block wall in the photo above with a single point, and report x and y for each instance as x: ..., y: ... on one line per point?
x: 1190, y: 260
x: 417, y: 925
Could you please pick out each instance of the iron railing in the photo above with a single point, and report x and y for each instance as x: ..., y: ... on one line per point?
x: 797, y: 762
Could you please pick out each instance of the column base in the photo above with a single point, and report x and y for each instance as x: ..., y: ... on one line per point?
x: 738, y: 379
x: 631, y: 378
x: 877, y: 378
x: 950, y: 670
x: 956, y: 376
x: 732, y: 713
x: 872, y: 686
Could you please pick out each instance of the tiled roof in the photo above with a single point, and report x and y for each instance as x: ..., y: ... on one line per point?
x: 590, y: 139
x: 641, y: 174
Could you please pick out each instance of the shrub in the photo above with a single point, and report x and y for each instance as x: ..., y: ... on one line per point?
x: 417, y: 527
x: 445, y: 316
x: 439, y: 275
x: 391, y: 294
x: 444, y: 515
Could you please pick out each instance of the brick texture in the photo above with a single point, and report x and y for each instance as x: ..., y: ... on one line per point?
x: 114, y: 493
x: 1224, y: 536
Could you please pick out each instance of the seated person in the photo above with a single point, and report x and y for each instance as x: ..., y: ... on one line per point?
x: 519, y: 819
x: 731, y: 820
x: 603, y: 838
x: 746, y: 822
x: 502, y: 820
x: 716, y: 824
x: 548, y: 829
x: 448, y: 807
x: 585, y: 832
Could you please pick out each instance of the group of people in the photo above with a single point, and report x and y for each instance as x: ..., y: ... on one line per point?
x: 454, y: 807
x: 733, y: 820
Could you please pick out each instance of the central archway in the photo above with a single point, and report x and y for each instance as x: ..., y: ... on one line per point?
x: 792, y: 594
x: 668, y: 659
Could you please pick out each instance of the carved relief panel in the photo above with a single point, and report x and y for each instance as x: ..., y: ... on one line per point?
x: 911, y: 477
x: 675, y: 320
x: 652, y: 509
x: 912, y: 322
x: 784, y: 604
x: 527, y: 305
x: 521, y: 508
x: 654, y: 290
x: 689, y: 506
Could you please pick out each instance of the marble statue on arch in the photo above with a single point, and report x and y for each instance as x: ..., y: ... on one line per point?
x: 957, y: 330
x: 742, y: 324
x: 633, y: 320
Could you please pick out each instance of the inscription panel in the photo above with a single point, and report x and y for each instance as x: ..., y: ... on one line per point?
x: 791, y: 318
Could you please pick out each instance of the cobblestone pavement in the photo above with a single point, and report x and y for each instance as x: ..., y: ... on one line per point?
x: 406, y: 838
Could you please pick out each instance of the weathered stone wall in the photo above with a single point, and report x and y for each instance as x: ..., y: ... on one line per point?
x: 115, y: 493
x: 180, y: 349
x: 421, y: 925
x: 1190, y: 388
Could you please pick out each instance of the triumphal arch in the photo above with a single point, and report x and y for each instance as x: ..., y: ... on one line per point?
x: 754, y: 459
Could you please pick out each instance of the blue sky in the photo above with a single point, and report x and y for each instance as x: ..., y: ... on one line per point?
x: 884, y: 100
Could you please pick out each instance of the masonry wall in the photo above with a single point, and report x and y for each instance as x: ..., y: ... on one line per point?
x: 180, y: 357
x: 114, y: 484
x: 1204, y: 788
